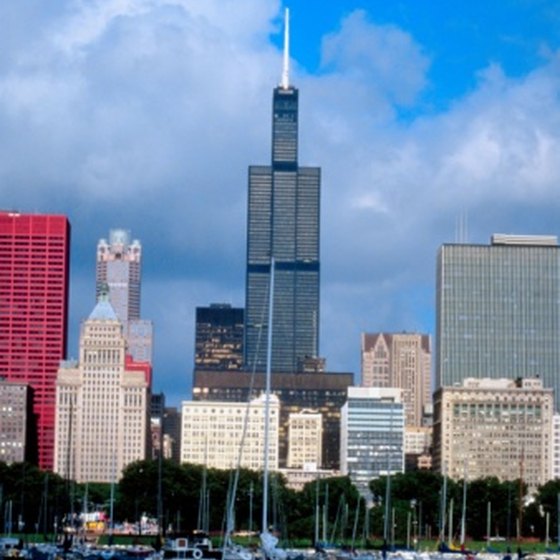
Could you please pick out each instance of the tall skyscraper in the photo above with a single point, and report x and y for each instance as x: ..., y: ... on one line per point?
x: 283, y: 223
x: 498, y: 311
x: 119, y: 266
x: 102, y: 403
x: 34, y: 265
x: 402, y: 360
x: 219, y: 337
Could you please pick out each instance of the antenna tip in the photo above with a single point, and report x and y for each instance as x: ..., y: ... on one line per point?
x: 286, y: 66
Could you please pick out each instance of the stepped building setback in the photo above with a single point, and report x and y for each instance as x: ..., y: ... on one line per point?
x: 402, y: 360
x: 119, y: 266
x: 283, y: 224
x: 102, y: 420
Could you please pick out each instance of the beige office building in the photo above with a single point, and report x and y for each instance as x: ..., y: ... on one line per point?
x: 212, y: 432
x: 403, y: 361
x: 305, y: 439
x: 101, y: 403
x: 494, y: 427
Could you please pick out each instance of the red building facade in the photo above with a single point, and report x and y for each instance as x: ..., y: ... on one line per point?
x: 34, y: 274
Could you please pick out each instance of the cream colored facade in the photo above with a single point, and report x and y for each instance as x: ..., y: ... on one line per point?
x: 101, y: 408
x: 401, y: 360
x: 212, y: 431
x: 555, y: 448
x: 494, y: 427
x: 417, y: 440
x: 296, y: 479
x: 305, y: 439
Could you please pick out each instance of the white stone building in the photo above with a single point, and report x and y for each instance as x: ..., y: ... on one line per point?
x: 101, y: 403
x: 305, y: 439
x: 211, y: 433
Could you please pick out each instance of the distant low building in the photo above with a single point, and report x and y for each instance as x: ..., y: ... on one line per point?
x: 417, y: 447
x: 296, y: 479
x: 18, y: 440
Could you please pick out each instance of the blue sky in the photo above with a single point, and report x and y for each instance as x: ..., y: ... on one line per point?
x: 145, y: 114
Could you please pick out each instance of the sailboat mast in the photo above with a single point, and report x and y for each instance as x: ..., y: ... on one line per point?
x: 464, y: 506
x: 267, y: 397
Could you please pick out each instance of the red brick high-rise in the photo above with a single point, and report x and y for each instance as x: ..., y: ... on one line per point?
x: 34, y: 271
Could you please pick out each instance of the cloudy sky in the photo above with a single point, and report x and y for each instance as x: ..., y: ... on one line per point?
x: 433, y: 121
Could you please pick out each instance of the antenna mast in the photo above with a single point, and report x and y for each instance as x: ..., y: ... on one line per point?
x: 286, y: 66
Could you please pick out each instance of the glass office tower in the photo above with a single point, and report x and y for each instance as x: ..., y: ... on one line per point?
x: 498, y: 311
x: 283, y: 222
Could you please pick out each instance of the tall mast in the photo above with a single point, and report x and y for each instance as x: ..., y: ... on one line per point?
x: 267, y: 396
x: 286, y: 66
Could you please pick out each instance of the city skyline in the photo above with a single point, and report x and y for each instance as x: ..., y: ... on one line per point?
x: 431, y: 125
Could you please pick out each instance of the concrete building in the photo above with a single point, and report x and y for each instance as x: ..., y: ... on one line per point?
x: 102, y: 403
x: 34, y: 268
x: 119, y: 266
x: 212, y: 433
x: 404, y: 361
x: 305, y: 439
x: 498, y: 311
x: 418, y: 447
x: 494, y: 427
x: 323, y: 392
x: 18, y: 439
x: 372, y: 435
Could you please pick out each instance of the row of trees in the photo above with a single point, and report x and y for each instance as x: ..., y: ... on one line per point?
x: 41, y: 502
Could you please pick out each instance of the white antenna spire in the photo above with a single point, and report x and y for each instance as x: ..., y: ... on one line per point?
x: 286, y: 66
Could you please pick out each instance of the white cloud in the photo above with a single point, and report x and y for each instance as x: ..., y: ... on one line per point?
x: 381, y: 55
x: 146, y: 114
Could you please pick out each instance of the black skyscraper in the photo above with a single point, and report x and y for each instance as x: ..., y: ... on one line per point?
x: 283, y: 222
x: 219, y: 337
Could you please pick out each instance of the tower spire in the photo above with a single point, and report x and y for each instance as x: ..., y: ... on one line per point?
x: 286, y: 66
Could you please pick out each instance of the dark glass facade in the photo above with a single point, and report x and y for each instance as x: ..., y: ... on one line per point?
x: 283, y: 221
x: 219, y: 337
x: 498, y: 313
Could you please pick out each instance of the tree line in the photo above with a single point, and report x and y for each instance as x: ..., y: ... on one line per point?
x: 36, y: 501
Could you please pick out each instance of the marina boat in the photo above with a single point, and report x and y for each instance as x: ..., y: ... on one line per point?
x: 196, y: 545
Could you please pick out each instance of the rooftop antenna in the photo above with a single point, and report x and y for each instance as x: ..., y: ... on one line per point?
x: 286, y: 66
